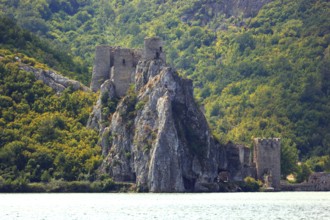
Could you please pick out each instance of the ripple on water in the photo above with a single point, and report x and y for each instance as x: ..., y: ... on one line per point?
x: 292, y: 205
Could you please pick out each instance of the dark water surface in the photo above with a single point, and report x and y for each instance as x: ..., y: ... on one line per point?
x: 265, y: 206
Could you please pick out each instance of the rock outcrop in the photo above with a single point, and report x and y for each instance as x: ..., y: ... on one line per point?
x: 247, y: 8
x: 219, y: 8
x: 54, y: 80
x: 157, y: 136
x: 152, y: 132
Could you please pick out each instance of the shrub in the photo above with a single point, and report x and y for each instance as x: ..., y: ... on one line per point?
x: 250, y: 184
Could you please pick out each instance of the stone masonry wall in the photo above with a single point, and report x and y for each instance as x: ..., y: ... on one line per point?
x: 101, y: 69
x: 267, y: 158
x: 118, y: 64
x: 239, y: 163
x: 123, y: 69
x: 153, y: 49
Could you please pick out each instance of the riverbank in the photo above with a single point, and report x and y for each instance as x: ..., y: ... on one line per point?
x: 59, y: 186
x: 316, y: 182
x: 108, y: 185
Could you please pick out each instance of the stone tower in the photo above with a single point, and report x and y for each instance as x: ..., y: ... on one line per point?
x: 123, y: 64
x: 119, y: 64
x: 267, y: 158
x: 101, y: 69
x: 153, y: 49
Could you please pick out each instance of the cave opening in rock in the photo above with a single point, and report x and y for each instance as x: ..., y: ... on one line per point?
x: 189, y: 184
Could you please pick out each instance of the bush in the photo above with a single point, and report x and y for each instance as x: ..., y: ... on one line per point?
x: 303, y: 173
x: 108, y: 185
x: 250, y: 184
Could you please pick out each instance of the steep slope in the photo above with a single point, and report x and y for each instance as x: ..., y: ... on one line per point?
x: 42, y: 116
x: 84, y: 24
x: 260, y: 76
x: 273, y: 81
x: 53, y: 55
x: 158, y: 137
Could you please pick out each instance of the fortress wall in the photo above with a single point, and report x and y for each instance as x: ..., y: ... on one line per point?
x: 267, y: 157
x: 138, y: 54
x: 123, y: 70
x: 239, y: 164
x: 153, y: 49
x: 244, y: 155
x: 119, y: 64
x: 101, y: 69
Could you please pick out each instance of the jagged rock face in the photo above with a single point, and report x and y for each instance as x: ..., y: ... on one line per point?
x: 97, y: 119
x: 55, y: 80
x: 158, y: 137
x: 247, y: 8
x: 217, y: 8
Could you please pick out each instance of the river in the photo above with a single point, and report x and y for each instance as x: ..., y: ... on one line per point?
x: 265, y: 206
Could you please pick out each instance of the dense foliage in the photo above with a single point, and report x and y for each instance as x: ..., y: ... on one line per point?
x: 265, y: 76
x: 53, y: 54
x: 43, y: 134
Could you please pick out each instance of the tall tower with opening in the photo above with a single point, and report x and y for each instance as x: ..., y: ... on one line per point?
x: 267, y: 158
x: 153, y: 49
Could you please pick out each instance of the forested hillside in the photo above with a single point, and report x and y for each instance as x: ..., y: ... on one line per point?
x: 42, y: 134
x: 266, y: 75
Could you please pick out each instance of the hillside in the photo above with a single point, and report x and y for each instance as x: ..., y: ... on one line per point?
x: 256, y: 73
x: 43, y: 133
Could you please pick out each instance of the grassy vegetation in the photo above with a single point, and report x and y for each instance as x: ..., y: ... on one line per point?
x: 56, y: 186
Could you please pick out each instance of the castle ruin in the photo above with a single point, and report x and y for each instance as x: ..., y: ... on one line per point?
x: 118, y: 64
x: 239, y: 162
x: 153, y: 49
x: 267, y: 160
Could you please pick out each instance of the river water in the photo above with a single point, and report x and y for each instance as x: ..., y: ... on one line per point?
x: 265, y: 206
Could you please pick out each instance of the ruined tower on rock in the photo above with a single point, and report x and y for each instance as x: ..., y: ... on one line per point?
x: 153, y: 49
x: 119, y: 64
x: 101, y: 69
x: 159, y: 138
x: 123, y: 65
x: 267, y: 158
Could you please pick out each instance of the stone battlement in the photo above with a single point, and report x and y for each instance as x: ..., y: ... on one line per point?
x: 153, y: 49
x: 267, y: 140
x: 267, y: 158
x: 119, y: 64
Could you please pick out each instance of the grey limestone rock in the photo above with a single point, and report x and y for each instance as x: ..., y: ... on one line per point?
x: 156, y: 135
x: 97, y: 119
x: 247, y: 8
x: 54, y: 80
x: 227, y: 8
x: 159, y: 138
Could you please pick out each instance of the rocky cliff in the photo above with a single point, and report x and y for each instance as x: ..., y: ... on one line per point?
x: 54, y: 80
x: 156, y: 136
x: 246, y: 8
x: 206, y: 10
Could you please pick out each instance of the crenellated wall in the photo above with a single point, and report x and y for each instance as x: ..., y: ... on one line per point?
x: 153, y: 49
x: 118, y: 64
x: 239, y: 162
x: 123, y: 68
x: 101, y: 69
x: 267, y: 159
